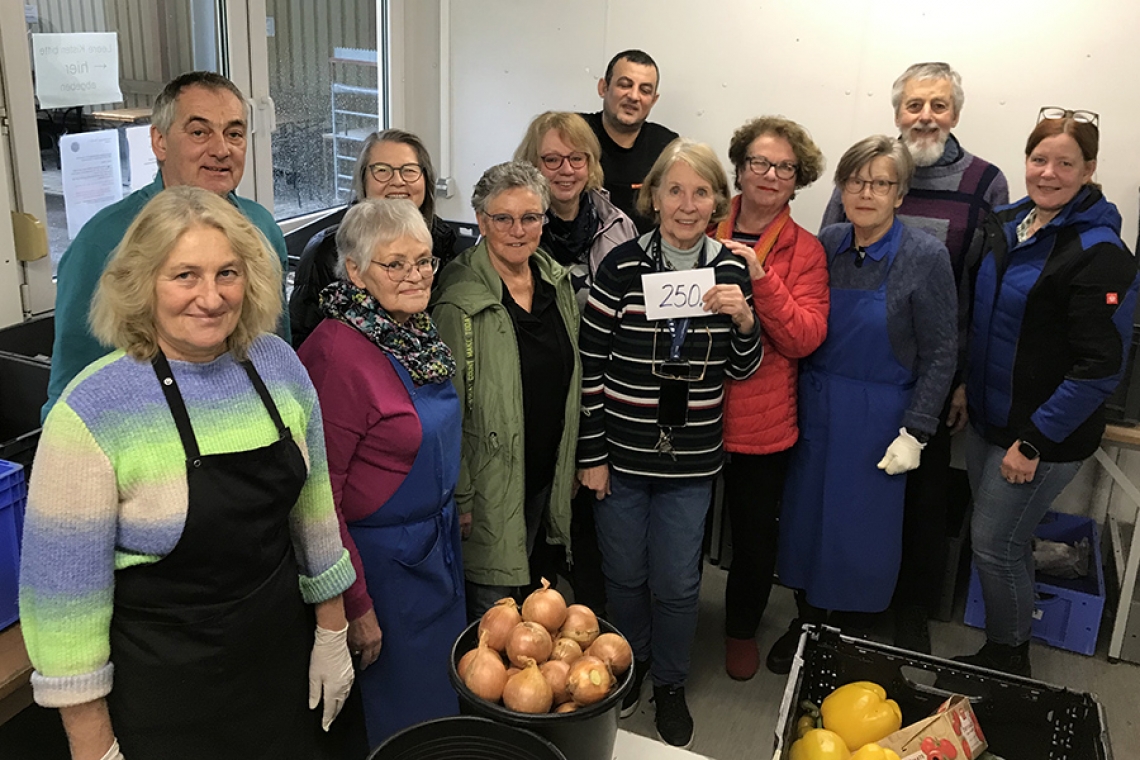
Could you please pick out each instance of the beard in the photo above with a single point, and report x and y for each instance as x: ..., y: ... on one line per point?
x: 925, y: 151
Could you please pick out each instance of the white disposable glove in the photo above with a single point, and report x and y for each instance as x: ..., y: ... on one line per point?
x: 330, y: 673
x: 114, y: 753
x: 902, y: 455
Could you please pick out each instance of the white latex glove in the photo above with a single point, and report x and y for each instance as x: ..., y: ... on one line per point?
x: 330, y: 673
x: 902, y: 455
x: 113, y: 753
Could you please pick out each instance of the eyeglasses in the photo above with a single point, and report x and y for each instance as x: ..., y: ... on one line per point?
x: 506, y: 222
x: 854, y: 185
x: 398, y: 271
x: 1056, y: 112
x: 554, y: 161
x: 382, y: 172
x: 760, y: 165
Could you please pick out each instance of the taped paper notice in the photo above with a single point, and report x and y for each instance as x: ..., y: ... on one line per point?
x: 77, y: 69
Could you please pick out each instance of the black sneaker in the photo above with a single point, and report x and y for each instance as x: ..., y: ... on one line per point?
x: 912, y: 629
x: 633, y: 698
x: 780, y: 656
x: 1008, y: 659
x: 674, y: 724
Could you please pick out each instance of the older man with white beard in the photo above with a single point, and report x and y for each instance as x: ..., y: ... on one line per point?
x: 949, y: 197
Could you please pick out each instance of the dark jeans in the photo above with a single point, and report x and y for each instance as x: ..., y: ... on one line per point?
x: 924, y: 525
x: 753, y: 485
x: 650, y: 531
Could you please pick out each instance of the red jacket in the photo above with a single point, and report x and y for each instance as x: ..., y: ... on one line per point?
x: 792, y: 302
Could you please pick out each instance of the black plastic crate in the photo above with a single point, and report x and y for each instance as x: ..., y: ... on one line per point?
x: 1020, y: 717
x: 32, y: 339
x: 23, y: 392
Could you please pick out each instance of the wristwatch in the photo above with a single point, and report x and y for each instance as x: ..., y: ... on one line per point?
x: 1028, y: 450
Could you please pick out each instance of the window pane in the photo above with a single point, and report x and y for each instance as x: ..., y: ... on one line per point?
x: 324, y: 78
x: 156, y: 40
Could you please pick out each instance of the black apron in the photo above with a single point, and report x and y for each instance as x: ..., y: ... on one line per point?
x: 211, y: 644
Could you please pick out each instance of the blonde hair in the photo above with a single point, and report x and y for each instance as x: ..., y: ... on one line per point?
x: 122, y: 311
x: 702, y: 160
x: 575, y: 132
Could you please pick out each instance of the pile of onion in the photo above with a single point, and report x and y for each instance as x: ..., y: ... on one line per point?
x: 544, y: 657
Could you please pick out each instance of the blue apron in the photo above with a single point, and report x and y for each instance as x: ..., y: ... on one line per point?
x: 412, y: 562
x: 841, y: 519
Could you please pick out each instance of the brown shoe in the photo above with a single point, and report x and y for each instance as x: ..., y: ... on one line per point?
x: 741, y: 658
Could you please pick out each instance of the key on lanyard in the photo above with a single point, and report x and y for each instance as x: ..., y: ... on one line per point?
x: 665, y: 444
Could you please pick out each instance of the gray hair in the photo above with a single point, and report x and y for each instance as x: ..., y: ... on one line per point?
x: 373, y: 223
x: 929, y: 71
x: 867, y: 150
x: 162, y: 114
x: 503, y: 177
x: 423, y: 158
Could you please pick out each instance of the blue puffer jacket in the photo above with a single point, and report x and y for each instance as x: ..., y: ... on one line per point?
x: 1051, y: 328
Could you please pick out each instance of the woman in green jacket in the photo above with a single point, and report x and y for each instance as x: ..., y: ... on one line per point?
x: 507, y: 311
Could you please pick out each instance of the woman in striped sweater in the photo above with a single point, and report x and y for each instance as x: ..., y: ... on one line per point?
x: 651, y: 433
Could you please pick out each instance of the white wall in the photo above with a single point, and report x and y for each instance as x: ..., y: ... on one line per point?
x: 828, y: 64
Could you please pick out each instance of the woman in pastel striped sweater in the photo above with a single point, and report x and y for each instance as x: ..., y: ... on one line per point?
x: 180, y: 519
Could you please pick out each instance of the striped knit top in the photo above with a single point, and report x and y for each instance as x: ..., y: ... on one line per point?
x: 109, y: 491
x: 619, y: 390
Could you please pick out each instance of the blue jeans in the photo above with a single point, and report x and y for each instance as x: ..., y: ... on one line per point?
x: 1005, y: 516
x: 650, y: 532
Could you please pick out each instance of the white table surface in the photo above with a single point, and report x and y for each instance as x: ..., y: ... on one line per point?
x: 631, y: 746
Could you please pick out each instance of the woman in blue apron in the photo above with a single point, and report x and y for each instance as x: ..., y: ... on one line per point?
x: 869, y: 396
x: 393, y: 429
x: 177, y: 525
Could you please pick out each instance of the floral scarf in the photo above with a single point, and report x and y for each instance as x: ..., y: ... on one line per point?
x: 416, y: 345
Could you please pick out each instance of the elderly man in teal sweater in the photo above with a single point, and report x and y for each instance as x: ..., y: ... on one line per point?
x: 198, y: 133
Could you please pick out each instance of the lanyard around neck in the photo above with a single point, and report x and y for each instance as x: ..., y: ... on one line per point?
x: 678, y: 328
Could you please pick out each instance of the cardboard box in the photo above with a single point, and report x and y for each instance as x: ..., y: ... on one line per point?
x: 951, y: 733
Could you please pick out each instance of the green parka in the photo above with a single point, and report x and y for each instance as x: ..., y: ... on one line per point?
x: 471, y: 318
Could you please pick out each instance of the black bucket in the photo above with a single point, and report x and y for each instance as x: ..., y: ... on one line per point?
x: 465, y: 738
x: 588, y: 733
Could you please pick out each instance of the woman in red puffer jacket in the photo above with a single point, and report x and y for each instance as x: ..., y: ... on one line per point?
x: 773, y: 157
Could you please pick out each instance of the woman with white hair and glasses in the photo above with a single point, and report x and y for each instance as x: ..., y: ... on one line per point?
x: 1052, y: 324
x: 869, y: 398
x: 392, y: 427
x: 508, y: 311
x: 392, y: 164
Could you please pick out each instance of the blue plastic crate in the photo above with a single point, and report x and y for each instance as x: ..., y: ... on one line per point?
x: 1067, y: 613
x: 13, y: 496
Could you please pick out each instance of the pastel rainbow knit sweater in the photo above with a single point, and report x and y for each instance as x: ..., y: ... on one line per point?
x: 109, y: 491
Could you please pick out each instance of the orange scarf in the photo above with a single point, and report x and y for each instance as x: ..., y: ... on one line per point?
x: 767, y: 240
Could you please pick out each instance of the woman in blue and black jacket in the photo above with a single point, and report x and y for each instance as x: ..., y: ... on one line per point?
x: 1053, y: 304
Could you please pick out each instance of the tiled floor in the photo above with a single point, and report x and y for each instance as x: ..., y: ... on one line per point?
x: 736, y: 720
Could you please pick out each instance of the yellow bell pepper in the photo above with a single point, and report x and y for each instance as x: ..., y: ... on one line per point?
x: 874, y: 752
x: 820, y: 744
x: 861, y: 713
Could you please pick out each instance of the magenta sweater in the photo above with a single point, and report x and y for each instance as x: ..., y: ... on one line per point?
x: 372, y: 431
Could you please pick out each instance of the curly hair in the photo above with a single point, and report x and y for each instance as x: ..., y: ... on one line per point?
x: 809, y: 158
